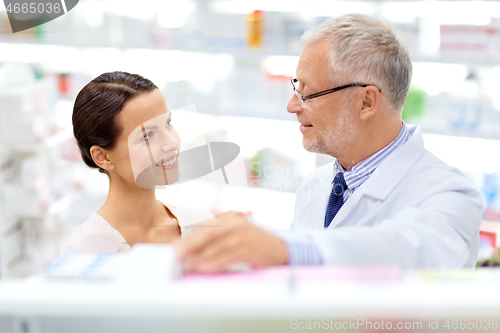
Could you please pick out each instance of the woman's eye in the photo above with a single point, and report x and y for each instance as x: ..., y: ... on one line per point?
x: 167, y: 124
x: 148, y: 136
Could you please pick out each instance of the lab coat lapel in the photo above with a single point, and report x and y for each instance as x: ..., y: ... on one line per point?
x: 386, y: 176
x: 347, y: 207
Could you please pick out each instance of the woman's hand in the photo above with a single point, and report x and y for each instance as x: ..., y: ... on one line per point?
x: 228, y: 239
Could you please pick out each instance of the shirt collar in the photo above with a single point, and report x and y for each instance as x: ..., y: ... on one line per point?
x: 359, y: 173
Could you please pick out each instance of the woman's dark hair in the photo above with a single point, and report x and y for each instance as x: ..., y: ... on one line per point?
x: 96, y: 108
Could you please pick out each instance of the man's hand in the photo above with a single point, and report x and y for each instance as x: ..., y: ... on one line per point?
x: 230, y: 238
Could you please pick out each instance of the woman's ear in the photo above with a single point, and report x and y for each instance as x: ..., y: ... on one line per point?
x: 370, y: 102
x: 101, y: 158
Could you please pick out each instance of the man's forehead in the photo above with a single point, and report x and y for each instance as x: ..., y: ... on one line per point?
x: 313, y: 64
x: 314, y: 53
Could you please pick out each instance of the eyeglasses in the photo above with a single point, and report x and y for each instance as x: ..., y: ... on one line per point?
x: 325, y: 92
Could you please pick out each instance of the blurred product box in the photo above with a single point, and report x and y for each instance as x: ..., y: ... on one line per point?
x: 25, y: 114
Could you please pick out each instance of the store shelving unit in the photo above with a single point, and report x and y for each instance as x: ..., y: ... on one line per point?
x: 37, y: 186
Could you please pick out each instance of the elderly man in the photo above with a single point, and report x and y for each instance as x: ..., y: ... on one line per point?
x: 385, y: 199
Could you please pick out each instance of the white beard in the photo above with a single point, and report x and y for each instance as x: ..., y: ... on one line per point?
x: 335, y: 141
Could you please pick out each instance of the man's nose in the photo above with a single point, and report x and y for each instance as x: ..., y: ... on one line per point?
x: 294, y: 104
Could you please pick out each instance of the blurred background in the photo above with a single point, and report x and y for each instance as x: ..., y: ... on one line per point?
x: 225, y: 68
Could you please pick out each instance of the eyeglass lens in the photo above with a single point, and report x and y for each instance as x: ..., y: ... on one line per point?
x: 298, y: 93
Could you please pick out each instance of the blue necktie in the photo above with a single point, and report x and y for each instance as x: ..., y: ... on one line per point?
x: 336, y: 198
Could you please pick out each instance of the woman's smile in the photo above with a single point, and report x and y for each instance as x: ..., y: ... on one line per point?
x: 169, y: 164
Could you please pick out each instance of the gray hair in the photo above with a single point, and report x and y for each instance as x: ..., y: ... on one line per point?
x: 364, y: 49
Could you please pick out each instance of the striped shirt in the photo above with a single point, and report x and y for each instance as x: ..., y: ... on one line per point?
x: 359, y: 173
x: 301, y: 248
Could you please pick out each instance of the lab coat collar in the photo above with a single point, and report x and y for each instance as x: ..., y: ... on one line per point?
x: 387, y: 175
x: 393, y: 168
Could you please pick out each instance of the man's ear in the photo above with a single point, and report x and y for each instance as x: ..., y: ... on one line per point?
x: 370, y: 102
x: 101, y: 158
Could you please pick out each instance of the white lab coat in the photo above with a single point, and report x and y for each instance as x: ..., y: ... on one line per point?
x: 413, y: 211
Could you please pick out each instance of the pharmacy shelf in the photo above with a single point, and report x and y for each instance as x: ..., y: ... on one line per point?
x: 54, y: 140
x: 254, y: 304
x: 52, y: 209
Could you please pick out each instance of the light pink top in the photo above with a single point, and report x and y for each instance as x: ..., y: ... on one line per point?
x: 96, y: 235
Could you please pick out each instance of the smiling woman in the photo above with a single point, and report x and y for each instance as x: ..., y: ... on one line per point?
x: 154, y: 147
x: 123, y: 127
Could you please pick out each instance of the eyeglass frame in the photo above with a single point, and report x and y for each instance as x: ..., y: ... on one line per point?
x: 326, y: 92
